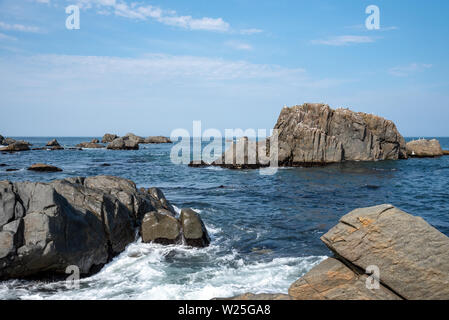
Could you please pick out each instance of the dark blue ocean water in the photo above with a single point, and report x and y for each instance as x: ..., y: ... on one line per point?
x: 265, y: 229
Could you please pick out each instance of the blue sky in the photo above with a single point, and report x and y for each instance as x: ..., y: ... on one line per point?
x: 153, y: 66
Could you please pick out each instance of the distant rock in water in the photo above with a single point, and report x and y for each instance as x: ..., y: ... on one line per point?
x: 156, y: 140
x: 53, y: 143
x: 2, y: 140
x: 314, y: 134
x: 108, y: 137
x: 423, y: 148
x: 16, y: 146
x: 90, y: 145
x: 125, y: 143
x: 95, y: 141
x: 46, y: 227
x: 11, y: 169
x: 41, y: 167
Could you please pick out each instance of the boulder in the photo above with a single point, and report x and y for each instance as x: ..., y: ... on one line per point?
x: 424, y: 148
x: 314, y: 134
x: 41, y: 167
x: 46, y: 227
x: 95, y: 141
x: 160, y: 227
x: 123, y: 144
x: 53, y: 143
x: 333, y: 280
x: 16, y: 146
x: 156, y: 139
x: 412, y: 256
x: 8, y: 141
x: 2, y: 140
x: 134, y: 138
x: 108, y: 137
x: 90, y: 145
x: 193, y: 228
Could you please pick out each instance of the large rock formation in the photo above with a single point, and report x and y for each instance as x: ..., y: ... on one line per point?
x: 46, y: 227
x: 124, y: 143
x: 315, y: 134
x: 381, y: 253
x: 424, y: 148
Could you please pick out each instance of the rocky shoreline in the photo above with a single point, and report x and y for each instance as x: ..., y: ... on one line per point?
x: 84, y: 222
x: 380, y: 253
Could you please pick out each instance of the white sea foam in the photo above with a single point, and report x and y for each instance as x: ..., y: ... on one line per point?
x: 151, y: 271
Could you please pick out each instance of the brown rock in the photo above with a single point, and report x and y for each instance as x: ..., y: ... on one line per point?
x: 194, y: 230
x: 412, y: 256
x: 123, y: 144
x: 157, y: 139
x: 53, y: 143
x: 108, y: 137
x: 90, y: 145
x: 16, y: 146
x: 424, y: 148
x: 41, y: 167
x: 332, y: 280
x: 160, y: 227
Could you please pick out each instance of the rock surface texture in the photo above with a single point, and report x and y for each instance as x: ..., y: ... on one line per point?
x: 42, y: 167
x: 16, y: 146
x: 108, y: 137
x: 424, y: 148
x: 124, y: 143
x: 46, y: 227
x: 411, y: 256
x: 89, y: 145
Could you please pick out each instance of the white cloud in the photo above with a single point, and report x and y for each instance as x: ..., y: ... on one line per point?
x: 250, y: 31
x: 6, y: 37
x: 362, y: 27
x: 343, y: 40
x: 137, y: 11
x: 18, y: 27
x: 239, y: 45
x: 404, y: 71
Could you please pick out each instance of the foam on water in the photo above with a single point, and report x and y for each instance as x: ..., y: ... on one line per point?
x: 151, y: 271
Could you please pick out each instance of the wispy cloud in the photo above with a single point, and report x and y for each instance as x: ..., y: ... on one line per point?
x: 18, y: 27
x: 404, y: 71
x: 6, y: 37
x: 138, y: 11
x: 343, y: 40
x: 238, y: 45
x: 362, y: 27
x: 250, y: 31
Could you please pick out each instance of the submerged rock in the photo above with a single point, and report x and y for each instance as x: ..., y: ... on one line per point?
x: 108, y: 137
x: 46, y: 227
x: 423, y: 148
x: 42, y: 167
x: 124, y: 143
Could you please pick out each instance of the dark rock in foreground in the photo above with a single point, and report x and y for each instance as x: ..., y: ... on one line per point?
x: 163, y: 227
x: 42, y: 167
x: 46, y: 227
x: 424, y: 148
x: 412, y: 258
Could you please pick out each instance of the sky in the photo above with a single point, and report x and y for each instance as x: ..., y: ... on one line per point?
x: 150, y: 67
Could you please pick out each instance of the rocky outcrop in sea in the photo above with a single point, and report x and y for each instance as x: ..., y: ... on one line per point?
x: 85, y: 222
x: 424, y: 148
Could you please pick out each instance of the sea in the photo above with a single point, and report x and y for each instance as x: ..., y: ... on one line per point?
x: 265, y: 229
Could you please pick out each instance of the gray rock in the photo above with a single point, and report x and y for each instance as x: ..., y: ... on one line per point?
x: 53, y: 143
x: 108, y: 137
x: 134, y: 138
x: 160, y: 228
x: 156, y: 140
x: 90, y: 145
x: 45, y: 227
x: 193, y: 228
x: 424, y: 148
x: 95, y: 141
x: 124, y: 143
x: 412, y: 256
